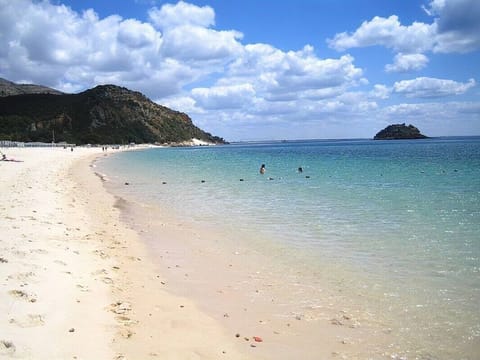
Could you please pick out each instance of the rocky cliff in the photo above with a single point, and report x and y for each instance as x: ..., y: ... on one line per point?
x: 399, y: 131
x: 106, y: 114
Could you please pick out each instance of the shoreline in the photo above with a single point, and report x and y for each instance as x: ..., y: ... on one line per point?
x: 151, y: 322
x: 244, y: 292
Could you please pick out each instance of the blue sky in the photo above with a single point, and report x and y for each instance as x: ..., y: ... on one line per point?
x: 264, y: 69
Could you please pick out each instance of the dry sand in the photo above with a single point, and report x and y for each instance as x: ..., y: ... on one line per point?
x: 77, y: 282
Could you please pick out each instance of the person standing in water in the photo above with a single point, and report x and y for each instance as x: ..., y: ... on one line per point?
x: 262, y: 169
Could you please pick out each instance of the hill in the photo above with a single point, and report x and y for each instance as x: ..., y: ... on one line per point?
x: 8, y: 88
x: 399, y: 131
x: 106, y: 114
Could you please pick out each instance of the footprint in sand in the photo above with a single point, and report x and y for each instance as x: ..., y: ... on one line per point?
x: 126, y: 333
x: 39, y: 251
x: 120, y: 307
x: 7, y: 347
x: 23, y: 277
x: 100, y: 272
x: 23, y: 295
x: 101, y: 253
x: 125, y: 320
x: 19, y: 253
x: 83, y: 288
x: 31, y: 320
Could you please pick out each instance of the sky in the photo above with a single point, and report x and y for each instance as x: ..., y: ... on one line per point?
x: 262, y: 69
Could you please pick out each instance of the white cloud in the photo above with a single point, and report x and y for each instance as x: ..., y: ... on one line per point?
x: 424, y: 87
x: 380, y: 92
x: 194, y: 43
x: 407, y: 62
x: 431, y: 110
x: 458, y: 25
x: 135, y: 34
x: 286, y: 76
x: 55, y: 46
x: 182, y: 13
x: 388, y: 32
x: 455, y: 28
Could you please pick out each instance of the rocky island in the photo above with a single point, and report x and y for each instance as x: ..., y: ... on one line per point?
x: 106, y: 114
x: 399, y: 131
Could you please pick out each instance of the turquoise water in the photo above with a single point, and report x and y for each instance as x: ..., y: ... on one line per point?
x: 400, y: 218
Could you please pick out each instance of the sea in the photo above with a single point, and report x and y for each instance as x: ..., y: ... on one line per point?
x: 393, y: 225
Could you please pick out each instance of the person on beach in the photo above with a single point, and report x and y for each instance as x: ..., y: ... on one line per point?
x: 4, y: 158
x: 262, y: 169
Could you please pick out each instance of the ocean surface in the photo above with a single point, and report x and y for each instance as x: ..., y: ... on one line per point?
x: 396, y: 224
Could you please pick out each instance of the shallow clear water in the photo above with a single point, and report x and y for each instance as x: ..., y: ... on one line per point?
x: 400, y: 218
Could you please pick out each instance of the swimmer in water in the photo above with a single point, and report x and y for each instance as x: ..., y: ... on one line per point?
x: 262, y: 169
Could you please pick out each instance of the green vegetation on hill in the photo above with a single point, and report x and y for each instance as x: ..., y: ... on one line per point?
x: 106, y: 114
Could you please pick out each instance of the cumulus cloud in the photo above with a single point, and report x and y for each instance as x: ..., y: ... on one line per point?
x: 56, y: 46
x: 189, y: 36
x: 407, y: 62
x: 73, y: 51
x: 380, y: 92
x: 458, y: 25
x: 424, y: 87
x: 135, y: 34
x: 455, y: 28
x: 286, y: 76
x: 388, y: 32
x: 196, y: 43
x: 431, y: 110
x: 182, y: 13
